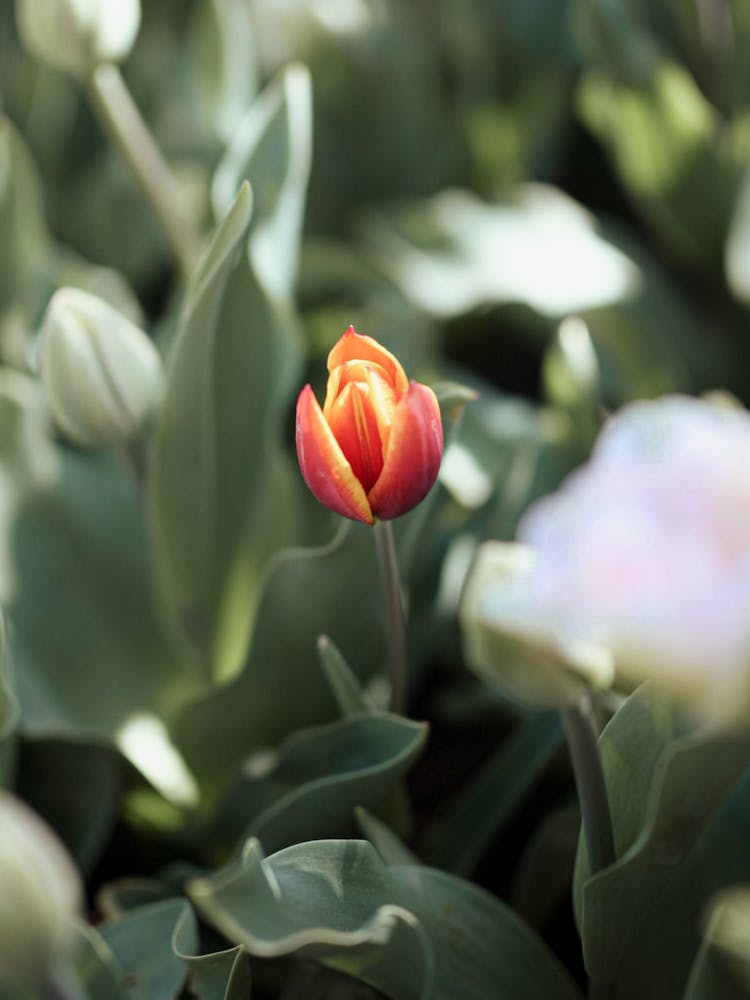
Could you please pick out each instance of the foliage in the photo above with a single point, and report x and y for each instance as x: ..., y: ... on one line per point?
x: 543, y: 210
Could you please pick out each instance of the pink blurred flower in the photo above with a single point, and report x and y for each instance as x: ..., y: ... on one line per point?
x: 645, y: 552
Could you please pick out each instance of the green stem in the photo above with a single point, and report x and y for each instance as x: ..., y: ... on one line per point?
x: 394, y: 615
x: 134, y: 455
x: 590, y: 784
x: 121, y: 118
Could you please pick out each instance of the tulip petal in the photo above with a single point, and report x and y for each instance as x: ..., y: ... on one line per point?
x: 354, y: 424
x: 353, y: 346
x: 324, y: 467
x: 412, y: 460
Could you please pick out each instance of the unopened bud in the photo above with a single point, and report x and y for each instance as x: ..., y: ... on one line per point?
x: 41, y: 896
x: 76, y: 35
x: 102, y: 374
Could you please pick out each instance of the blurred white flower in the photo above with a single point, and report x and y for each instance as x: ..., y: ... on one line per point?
x: 40, y: 896
x: 76, y: 35
x: 645, y: 553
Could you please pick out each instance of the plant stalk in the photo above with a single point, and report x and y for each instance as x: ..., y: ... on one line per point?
x: 394, y: 615
x: 121, y: 118
x: 590, y: 785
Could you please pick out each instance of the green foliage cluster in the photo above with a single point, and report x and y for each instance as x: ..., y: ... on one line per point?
x: 545, y: 202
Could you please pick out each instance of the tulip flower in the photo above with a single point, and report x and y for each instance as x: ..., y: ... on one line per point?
x: 76, y: 35
x: 373, y: 450
x: 643, y: 554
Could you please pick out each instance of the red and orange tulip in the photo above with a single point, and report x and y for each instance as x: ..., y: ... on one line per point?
x: 374, y: 449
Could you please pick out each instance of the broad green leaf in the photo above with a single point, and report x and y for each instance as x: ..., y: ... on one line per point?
x: 86, y: 646
x: 409, y: 931
x: 312, y: 981
x: 662, y: 137
x: 224, y: 61
x: 614, y: 40
x: 220, y: 975
x: 96, y: 968
x: 23, y: 239
x: 680, y: 817
x: 115, y: 899
x: 333, y: 590
x: 184, y: 470
x: 224, y: 491
x: 320, y: 776
x: 272, y: 149
x: 444, y: 253
x: 465, y: 828
x: 141, y: 941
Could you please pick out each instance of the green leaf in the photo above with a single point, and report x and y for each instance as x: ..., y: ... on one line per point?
x: 440, y: 252
x: 345, y: 687
x: 311, y: 981
x: 306, y: 592
x: 680, y: 819
x: 409, y: 931
x: 23, y: 237
x: 384, y: 840
x: 663, y: 141
x: 220, y: 975
x: 321, y: 774
x: 224, y: 492
x: 141, y: 942
x: 184, y: 472
x: 224, y: 62
x: 85, y: 642
x: 95, y: 966
x: 272, y: 149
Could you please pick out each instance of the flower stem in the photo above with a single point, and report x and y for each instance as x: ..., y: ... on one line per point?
x: 590, y: 784
x: 394, y: 615
x: 121, y: 118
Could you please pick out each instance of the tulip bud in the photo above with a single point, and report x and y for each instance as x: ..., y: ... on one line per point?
x: 41, y: 896
x: 76, y: 35
x: 374, y: 449
x: 102, y: 374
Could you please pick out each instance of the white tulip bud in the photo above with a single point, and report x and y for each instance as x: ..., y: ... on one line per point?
x: 102, y: 374
x: 76, y: 35
x: 40, y: 896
